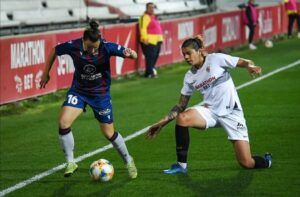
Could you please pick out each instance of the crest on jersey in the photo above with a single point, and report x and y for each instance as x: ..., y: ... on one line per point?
x: 89, y: 69
x: 208, y: 69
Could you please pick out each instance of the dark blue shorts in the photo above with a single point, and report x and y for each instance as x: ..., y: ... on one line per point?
x: 100, y: 104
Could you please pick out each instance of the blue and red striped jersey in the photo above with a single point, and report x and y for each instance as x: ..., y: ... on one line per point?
x: 92, y: 74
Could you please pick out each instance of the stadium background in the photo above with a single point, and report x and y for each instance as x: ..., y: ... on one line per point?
x: 28, y: 136
x: 23, y: 56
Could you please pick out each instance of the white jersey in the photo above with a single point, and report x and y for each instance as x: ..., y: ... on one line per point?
x: 214, y: 83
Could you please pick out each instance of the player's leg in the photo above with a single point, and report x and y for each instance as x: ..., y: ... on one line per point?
x: 117, y: 140
x: 189, y: 118
x: 243, y: 153
x: 102, y: 108
x: 67, y: 116
x: 119, y: 144
x: 236, y: 129
x: 72, y: 108
x: 246, y: 160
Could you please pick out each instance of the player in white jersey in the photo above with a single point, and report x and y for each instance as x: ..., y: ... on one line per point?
x: 220, y: 107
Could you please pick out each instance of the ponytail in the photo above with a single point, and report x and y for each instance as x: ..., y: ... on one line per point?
x: 200, y: 40
x: 92, y: 33
x: 94, y: 25
x: 196, y: 43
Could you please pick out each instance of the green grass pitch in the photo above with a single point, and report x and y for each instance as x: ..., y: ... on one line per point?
x: 29, y: 138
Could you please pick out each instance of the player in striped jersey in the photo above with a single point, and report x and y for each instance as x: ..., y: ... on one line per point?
x: 91, y: 86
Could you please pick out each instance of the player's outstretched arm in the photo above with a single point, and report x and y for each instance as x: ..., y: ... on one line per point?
x: 130, y: 53
x: 180, y: 107
x: 249, y: 64
x: 46, y: 76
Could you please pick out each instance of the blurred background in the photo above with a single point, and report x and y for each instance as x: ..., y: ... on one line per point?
x: 30, y: 28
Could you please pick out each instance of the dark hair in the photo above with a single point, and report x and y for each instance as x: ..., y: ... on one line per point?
x: 92, y: 33
x: 149, y: 3
x: 196, y: 43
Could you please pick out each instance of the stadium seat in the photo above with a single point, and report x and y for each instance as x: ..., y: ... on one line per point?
x: 11, y: 5
x: 114, y: 3
x: 227, y: 5
x: 196, y: 5
x: 101, y: 13
x: 136, y: 10
x: 6, y: 22
x: 133, y: 10
x: 34, y: 17
x: 58, y: 4
x: 80, y: 13
x: 58, y: 15
x: 146, y: 1
x: 30, y: 17
x: 93, y: 12
x: 173, y: 7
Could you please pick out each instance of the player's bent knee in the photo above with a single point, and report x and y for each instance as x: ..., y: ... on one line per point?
x: 64, y: 124
x: 182, y: 120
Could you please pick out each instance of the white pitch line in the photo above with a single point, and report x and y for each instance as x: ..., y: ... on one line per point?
x: 59, y: 167
x: 269, y: 74
x: 129, y: 137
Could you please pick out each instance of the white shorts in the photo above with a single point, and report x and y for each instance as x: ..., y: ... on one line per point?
x: 234, y: 123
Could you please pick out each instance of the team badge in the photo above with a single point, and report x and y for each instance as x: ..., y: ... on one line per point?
x: 89, y: 69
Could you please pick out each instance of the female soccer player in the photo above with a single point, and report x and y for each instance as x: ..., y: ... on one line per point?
x: 221, y: 106
x: 91, y: 86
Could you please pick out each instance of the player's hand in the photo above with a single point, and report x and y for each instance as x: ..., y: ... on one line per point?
x: 45, y: 79
x: 128, y: 52
x: 254, y: 70
x: 153, y: 131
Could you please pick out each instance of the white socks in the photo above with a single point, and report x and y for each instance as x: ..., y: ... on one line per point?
x: 120, y: 145
x: 183, y: 165
x: 67, y: 144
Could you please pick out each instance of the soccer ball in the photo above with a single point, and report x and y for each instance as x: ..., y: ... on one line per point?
x: 268, y: 44
x: 102, y: 170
